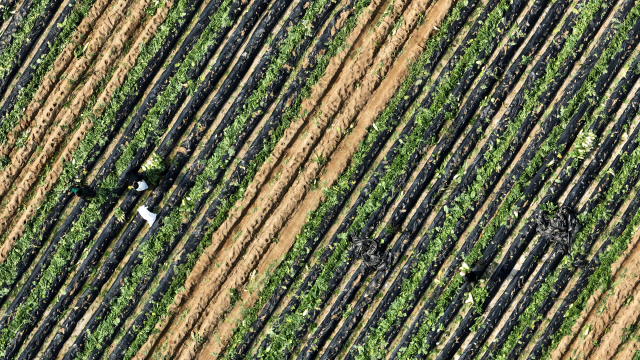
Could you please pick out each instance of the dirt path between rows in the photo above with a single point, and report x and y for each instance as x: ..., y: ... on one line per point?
x: 62, y: 94
x: 118, y: 78
x: 67, y: 118
x: 241, y: 269
x: 602, y: 308
x: 171, y: 343
x: 629, y: 351
x: 51, y: 79
x: 627, y: 316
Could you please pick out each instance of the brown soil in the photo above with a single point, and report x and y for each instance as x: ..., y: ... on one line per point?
x: 627, y: 316
x: 107, y: 61
x: 603, y: 308
x: 629, y: 351
x: 56, y: 102
x: 55, y: 74
x: 219, y: 237
x: 331, y: 140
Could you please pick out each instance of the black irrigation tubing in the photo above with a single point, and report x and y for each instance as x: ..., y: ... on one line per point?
x: 529, y: 231
x: 236, y: 178
x: 27, y: 75
x: 6, y: 38
x: 187, y: 182
x: 209, y: 84
x: 458, y: 125
x: 331, y: 215
x: 80, y: 245
x: 558, y: 319
x: 331, y: 320
x: 197, y: 235
x: 36, y: 31
x: 434, y: 128
x: 467, y: 245
x: 611, y: 208
x: 170, y: 140
x: 525, y: 128
x: 556, y: 256
x: 566, y: 174
x: 482, y: 89
x: 566, y: 273
x: 126, y: 239
x: 7, y: 4
x: 190, y: 144
x: 536, y: 184
x: 541, y: 246
x: 494, y: 72
x: 130, y: 131
x: 123, y: 112
x: 96, y: 252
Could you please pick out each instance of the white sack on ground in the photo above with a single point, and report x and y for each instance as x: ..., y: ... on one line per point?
x: 147, y: 215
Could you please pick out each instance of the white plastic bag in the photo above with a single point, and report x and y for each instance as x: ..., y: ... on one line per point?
x: 147, y: 215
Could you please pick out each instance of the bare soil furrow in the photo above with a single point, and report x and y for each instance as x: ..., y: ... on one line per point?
x: 250, y: 211
x: 603, y: 309
x: 123, y: 66
x: 55, y: 103
x: 612, y: 339
x: 61, y: 64
x: 171, y: 343
x: 236, y: 272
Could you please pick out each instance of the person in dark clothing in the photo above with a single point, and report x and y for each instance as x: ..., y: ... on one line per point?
x: 83, y: 191
x: 468, y: 274
x: 471, y: 276
x: 135, y: 181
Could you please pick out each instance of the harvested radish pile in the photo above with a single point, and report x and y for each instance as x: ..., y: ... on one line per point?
x: 319, y: 179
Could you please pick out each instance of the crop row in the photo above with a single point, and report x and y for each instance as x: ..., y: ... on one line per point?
x: 42, y: 61
x: 209, y: 167
x: 507, y: 212
x: 595, y: 274
x: 113, y: 117
x: 491, y: 76
x: 39, y: 226
x: 322, y: 218
x: 23, y: 31
x: 57, y: 247
x: 477, y: 188
x: 569, y: 170
x: 596, y: 213
x: 206, y: 44
x: 234, y: 189
x: 559, y: 184
x: 360, y: 219
x: 529, y: 193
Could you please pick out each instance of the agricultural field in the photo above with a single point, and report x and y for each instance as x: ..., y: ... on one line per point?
x: 353, y: 179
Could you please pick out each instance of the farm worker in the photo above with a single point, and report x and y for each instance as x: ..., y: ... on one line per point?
x: 135, y: 181
x: 83, y: 192
x: 147, y: 215
x: 467, y: 274
x: 140, y: 185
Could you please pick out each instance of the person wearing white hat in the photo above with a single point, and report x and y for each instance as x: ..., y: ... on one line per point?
x: 134, y: 181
